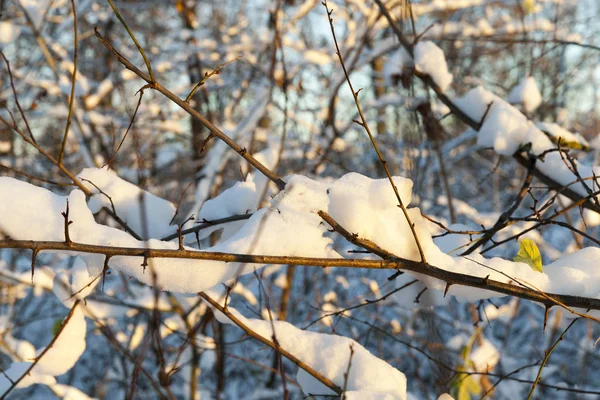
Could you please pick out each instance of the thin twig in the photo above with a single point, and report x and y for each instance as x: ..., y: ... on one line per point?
x: 547, y: 357
x: 365, y: 125
x: 74, y: 81
x: 207, y: 75
x: 112, y: 5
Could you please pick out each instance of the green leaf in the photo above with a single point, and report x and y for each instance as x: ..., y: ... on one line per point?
x: 529, y: 254
x: 56, y: 326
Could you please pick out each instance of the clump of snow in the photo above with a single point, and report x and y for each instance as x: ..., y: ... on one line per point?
x: 60, y: 358
x: 81, y: 285
x: 66, y: 392
x: 430, y: 60
x: 558, y: 132
x: 504, y: 128
x: 236, y: 200
x: 34, y: 213
x: 576, y: 273
x: 397, y: 65
x: 591, y: 218
x: 9, y: 32
x: 67, y: 349
x: 270, y: 231
x: 327, y: 354
x: 363, y: 205
x: 369, y: 208
x: 128, y: 200
x: 527, y: 94
x: 485, y: 356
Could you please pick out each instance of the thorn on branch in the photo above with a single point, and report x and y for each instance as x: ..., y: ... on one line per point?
x: 65, y: 214
x: 180, y: 236
x: 485, y: 280
x: 104, y: 270
x: 145, y: 262
x: 33, y: 258
x: 180, y: 230
x: 448, y: 284
x: 546, y: 314
x: 198, y: 239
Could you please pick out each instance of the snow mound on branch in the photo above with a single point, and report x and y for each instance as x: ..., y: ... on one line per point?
x: 562, y: 134
x: 33, y: 213
x: 526, y: 93
x: 60, y: 358
x: 369, y: 208
x: 67, y: 349
x: 127, y: 199
x: 236, y: 200
x: 369, y: 376
x: 576, y: 273
x: 397, y: 65
x: 362, y: 205
x: 506, y: 130
x: 430, y: 60
x: 504, y: 127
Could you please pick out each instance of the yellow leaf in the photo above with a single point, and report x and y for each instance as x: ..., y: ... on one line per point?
x: 529, y: 254
x: 528, y: 6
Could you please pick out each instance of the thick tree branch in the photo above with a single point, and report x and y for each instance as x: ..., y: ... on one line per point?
x: 395, y: 263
